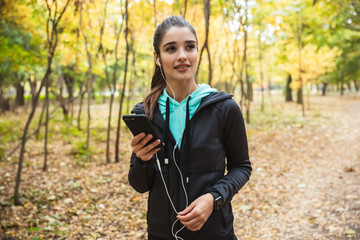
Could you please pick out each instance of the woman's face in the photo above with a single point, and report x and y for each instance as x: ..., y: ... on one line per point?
x: 179, y: 54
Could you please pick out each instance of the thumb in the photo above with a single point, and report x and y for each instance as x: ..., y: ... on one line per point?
x: 187, y: 210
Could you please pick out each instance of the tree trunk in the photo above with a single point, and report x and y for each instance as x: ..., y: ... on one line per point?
x: 32, y: 83
x: 299, y: 99
x: 356, y: 85
x: 69, y: 83
x: 185, y: 8
x: 37, y: 131
x: 269, y: 86
x: 288, y: 91
x: 46, y: 123
x: 113, y: 89
x: 124, y: 82
x: 89, y: 89
x: 243, y: 65
x: 247, y: 80
x: 206, y: 43
x: 155, y: 13
x: 62, y: 100
x: 20, y: 91
x: 324, y: 88
x: 308, y: 97
x: 111, y: 86
x: 81, y: 94
x: 133, y: 75
x: 89, y: 86
x: 4, y: 103
x: 342, y: 82
x: 349, y: 86
x: 24, y: 137
x: 261, y: 75
x: 300, y: 92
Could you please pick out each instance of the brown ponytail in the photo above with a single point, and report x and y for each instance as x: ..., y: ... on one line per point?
x: 158, y: 83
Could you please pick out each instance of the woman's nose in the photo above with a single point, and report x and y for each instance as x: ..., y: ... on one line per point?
x: 182, y: 55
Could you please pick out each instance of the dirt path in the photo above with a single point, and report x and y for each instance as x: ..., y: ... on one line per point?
x: 306, y: 181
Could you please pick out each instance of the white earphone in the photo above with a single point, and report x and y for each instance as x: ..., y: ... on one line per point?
x: 158, y: 62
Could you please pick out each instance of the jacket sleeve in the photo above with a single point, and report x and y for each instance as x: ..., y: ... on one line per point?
x: 236, y: 149
x: 140, y: 174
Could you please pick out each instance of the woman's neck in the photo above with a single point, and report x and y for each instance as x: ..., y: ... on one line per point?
x: 181, y: 89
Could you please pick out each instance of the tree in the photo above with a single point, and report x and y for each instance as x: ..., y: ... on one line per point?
x: 53, y: 20
x: 111, y: 84
x: 206, y: 44
x: 90, y: 79
x: 122, y: 96
x: 288, y: 91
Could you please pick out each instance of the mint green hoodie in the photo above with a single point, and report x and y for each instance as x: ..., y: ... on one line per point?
x: 178, y: 110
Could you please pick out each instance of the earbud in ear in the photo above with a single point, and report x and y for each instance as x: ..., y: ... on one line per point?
x: 158, y: 62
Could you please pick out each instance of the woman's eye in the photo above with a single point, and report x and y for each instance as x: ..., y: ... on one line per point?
x: 171, y: 49
x: 190, y: 47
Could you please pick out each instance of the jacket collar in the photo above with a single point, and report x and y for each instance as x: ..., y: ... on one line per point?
x: 213, y: 98
x: 206, y: 101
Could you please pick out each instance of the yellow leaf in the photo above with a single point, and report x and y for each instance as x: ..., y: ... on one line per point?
x: 136, y: 198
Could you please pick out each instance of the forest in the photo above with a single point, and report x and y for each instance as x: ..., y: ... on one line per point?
x: 70, y: 69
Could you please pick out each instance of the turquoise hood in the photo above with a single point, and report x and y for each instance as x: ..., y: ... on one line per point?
x: 178, y: 110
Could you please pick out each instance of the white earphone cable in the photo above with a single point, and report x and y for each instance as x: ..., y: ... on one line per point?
x: 173, y: 153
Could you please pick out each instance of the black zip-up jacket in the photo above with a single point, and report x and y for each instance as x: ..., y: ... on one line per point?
x: 213, y: 139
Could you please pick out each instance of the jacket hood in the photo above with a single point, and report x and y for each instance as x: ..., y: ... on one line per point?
x: 206, y: 101
x: 181, y: 112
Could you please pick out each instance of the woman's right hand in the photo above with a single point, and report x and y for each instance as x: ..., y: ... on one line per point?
x: 143, y: 152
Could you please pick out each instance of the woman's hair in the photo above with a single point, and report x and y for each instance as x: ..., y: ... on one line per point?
x: 158, y: 83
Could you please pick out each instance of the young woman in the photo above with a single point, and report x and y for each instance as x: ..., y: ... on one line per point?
x: 189, y: 195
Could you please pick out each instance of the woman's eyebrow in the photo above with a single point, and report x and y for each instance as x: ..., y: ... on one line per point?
x: 170, y: 43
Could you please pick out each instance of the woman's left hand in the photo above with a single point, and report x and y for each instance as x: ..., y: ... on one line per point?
x: 197, y: 213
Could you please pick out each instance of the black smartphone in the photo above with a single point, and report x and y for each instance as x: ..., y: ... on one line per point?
x: 140, y: 123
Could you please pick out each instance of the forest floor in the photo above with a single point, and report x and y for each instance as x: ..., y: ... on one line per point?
x: 305, y: 182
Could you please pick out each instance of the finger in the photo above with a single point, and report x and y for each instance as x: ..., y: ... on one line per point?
x: 135, y: 140
x: 150, y: 154
x: 140, y: 145
x: 147, y: 152
x: 147, y: 149
x: 194, y: 225
x: 153, y: 151
x: 186, y: 214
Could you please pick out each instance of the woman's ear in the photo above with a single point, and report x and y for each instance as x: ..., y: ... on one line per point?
x: 157, y: 59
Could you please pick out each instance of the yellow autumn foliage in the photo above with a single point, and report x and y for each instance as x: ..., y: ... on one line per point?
x: 314, y: 62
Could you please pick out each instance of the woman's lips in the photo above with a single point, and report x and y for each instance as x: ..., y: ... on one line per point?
x: 182, y: 67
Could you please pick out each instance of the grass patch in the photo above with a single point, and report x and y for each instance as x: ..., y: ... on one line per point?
x: 9, y: 131
x: 82, y: 156
x: 33, y: 229
x: 280, y: 114
x: 2, y: 155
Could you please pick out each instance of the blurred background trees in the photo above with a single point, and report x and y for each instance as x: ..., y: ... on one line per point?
x: 314, y: 42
